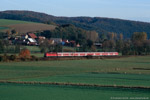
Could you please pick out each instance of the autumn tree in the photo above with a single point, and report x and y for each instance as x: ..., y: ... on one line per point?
x: 25, y: 53
x: 139, y: 36
x: 92, y: 35
x: 8, y: 33
x: 138, y: 39
x: 120, y: 36
x: 112, y: 36
x: 109, y: 45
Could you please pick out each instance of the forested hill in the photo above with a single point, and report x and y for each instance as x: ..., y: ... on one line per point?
x: 101, y: 25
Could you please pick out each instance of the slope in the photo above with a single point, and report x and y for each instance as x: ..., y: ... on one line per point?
x: 23, y: 26
x: 99, y: 24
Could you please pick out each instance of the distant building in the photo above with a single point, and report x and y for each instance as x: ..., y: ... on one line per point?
x: 78, y: 45
x: 41, y: 38
x: 32, y: 35
x: 31, y: 41
x: 56, y: 40
x: 65, y: 42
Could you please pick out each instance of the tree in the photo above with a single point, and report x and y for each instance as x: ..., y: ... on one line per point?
x: 25, y: 53
x: 121, y: 36
x: 119, y: 45
x: 146, y: 46
x: 126, y: 48
x: 89, y: 43
x: 14, y: 32
x: 111, y: 36
x: 45, y: 46
x: 1, y: 46
x: 139, y: 36
x: 8, y: 33
x: 138, y: 39
x: 92, y: 35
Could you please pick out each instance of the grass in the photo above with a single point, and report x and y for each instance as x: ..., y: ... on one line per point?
x: 5, y: 22
x: 119, y: 72
x: 3, y: 28
x: 15, y: 70
x: 23, y: 26
x: 33, y: 49
x: 38, y: 92
x: 98, y: 78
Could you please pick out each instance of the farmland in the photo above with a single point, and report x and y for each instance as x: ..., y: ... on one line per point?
x: 38, y: 92
x: 23, y: 26
x: 128, y: 71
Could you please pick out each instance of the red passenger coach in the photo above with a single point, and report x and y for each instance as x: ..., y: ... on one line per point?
x: 80, y: 54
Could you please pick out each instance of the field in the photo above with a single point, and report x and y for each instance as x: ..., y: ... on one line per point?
x: 132, y: 73
x: 23, y: 26
x: 3, y: 28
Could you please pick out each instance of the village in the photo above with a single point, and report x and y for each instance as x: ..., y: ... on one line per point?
x: 30, y: 39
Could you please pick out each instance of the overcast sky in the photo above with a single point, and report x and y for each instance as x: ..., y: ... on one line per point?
x: 124, y: 9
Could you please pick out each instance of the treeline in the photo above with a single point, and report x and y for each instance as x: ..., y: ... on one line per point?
x: 100, y: 25
x: 5, y: 47
x: 71, y: 33
x: 23, y: 55
x: 138, y: 44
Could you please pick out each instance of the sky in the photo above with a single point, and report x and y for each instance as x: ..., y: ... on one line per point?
x: 138, y: 10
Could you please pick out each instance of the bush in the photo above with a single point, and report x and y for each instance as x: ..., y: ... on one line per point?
x: 5, y: 57
x: 1, y: 58
x: 12, y: 57
x: 34, y: 58
x: 25, y: 54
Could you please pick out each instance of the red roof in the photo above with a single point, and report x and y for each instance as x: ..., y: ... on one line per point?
x: 32, y: 35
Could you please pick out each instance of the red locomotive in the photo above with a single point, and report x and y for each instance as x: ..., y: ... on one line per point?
x: 80, y: 54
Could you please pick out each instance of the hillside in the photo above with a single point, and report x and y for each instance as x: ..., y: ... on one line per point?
x: 23, y: 26
x: 101, y: 25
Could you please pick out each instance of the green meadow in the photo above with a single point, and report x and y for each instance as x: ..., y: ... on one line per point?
x: 127, y: 71
x: 5, y: 22
x: 46, y: 92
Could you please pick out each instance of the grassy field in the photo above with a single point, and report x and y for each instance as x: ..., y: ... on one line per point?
x: 5, y: 22
x: 23, y: 26
x: 129, y: 71
x: 3, y: 28
x: 98, y: 78
x: 33, y: 49
x: 38, y: 92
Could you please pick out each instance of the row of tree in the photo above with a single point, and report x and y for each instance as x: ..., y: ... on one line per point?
x: 138, y: 44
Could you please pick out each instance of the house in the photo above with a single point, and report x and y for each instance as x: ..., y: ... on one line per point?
x: 56, y: 40
x: 41, y: 37
x: 32, y: 35
x: 78, y: 45
x: 65, y: 42
x: 31, y: 41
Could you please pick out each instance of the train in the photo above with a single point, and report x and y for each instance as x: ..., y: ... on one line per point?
x: 79, y: 54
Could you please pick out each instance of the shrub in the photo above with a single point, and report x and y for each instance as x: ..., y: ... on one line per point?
x: 12, y: 57
x: 1, y: 58
x: 5, y: 57
x: 25, y: 53
x: 34, y: 58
